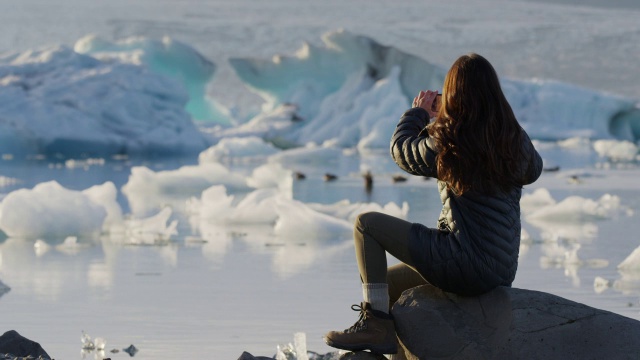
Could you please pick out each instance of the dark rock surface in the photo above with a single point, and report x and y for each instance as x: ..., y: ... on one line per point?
x: 13, y: 343
x: 509, y: 323
x: 246, y: 356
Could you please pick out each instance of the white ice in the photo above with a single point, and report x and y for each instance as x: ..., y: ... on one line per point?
x: 164, y: 56
x: 50, y: 210
x: 616, y: 150
x: 57, y: 101
x: 141, y: 95
x: 148, y: 190
x: 540, y: 206
x: 288, y: 217
x: 244, y: 149
x: 631, y: 262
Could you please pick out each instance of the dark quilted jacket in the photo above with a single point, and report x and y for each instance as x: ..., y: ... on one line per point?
x: 475, y: 246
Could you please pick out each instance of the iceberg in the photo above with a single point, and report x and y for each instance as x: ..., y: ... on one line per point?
x: 352, y: 90
x: 58, y: 101
x: 167, y: 57
x: 312, y: 73
x: 552, y: 110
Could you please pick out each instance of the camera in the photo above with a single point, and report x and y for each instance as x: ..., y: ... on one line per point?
x: 435, y: 105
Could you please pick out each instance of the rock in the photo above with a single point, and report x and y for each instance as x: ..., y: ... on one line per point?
x: 131, y: 350
x: 509, y: 323
x: 13, y: 343
x: 361, y: 355
x: 246, y: 356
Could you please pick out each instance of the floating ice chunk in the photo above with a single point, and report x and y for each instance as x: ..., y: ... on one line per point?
x: 538, y: 199
x: 148, y: 190
x: 616, y: 150
x: 152, y: 230
x: 87, y: 342
x: 105, y: 195
x: 295, y: 219
x: 84, y: 164
x: 346, y: 210
x: 244, y: 149
x: 578, y: 209
x: 41, y: 247
x: 50, y: 210
x: 216, y: 206
x: 7, y: 181
x: 98, y: 108
x: 300, y: 344
x: 272, y: 176
x: 631, y: 262
x: 71, y: 246
x: 576, y: 143
x: 601, y: 284
x: 214, y: 203
x: 100, y: 343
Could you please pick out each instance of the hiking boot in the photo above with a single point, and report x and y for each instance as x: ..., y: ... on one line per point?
x: 373, y: 331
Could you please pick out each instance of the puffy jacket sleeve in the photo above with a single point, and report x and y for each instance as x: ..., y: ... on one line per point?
x: 411, y: 147
x: 534, y: 163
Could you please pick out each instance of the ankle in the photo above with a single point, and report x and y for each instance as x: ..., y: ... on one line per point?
x: 377, y: 295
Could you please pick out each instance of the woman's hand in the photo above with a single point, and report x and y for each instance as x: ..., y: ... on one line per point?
x: 425, y: 100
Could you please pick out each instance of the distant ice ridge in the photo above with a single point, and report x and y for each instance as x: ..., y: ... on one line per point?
x: 352, y: 91
x: 140, y: 96
x: 58, y: 101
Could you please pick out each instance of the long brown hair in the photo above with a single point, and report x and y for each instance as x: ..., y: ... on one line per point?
x: 476, y: 133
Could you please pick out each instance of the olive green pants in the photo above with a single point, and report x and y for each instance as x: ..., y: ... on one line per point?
x: 375, y: 234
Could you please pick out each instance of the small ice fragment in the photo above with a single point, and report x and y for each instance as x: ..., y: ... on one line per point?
x: 600, y: 284
x: 40, y: 247
x: 300, y: 341
x: 100, y: 343
x: 283, y: 352
x: 632, y: 262
x: 87, y: 343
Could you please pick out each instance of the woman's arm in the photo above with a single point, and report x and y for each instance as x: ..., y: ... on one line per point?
x: 411, y: 147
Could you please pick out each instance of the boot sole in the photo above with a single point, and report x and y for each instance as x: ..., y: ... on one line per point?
x: 377, y: 349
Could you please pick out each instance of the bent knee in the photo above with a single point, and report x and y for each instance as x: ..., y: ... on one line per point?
x: 366, y: 218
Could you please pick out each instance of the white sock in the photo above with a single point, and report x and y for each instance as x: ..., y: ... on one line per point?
x: 377, y: 294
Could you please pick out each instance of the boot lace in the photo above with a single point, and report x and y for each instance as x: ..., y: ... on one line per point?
x: 360, y: 324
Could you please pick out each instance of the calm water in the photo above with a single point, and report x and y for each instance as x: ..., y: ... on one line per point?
x: 245, y: 289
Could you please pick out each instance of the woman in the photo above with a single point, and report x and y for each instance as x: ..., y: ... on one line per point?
x: 481, y: 158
